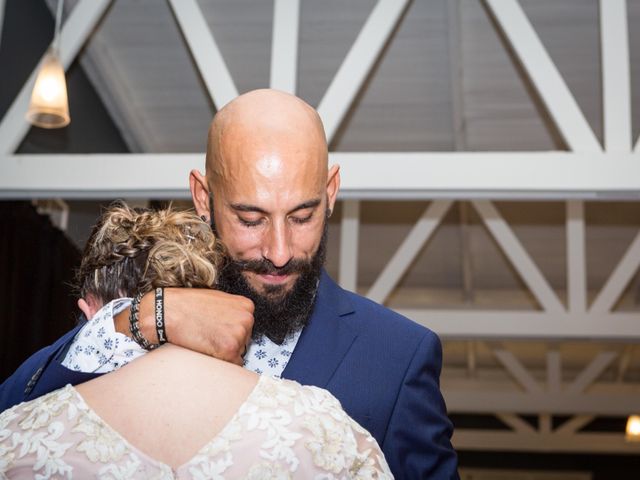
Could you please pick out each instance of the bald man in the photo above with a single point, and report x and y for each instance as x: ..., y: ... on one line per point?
x: 267, y: 193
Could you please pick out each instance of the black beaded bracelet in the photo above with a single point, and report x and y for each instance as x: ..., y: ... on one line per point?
x: 134, y: 327
x: 159, y: 316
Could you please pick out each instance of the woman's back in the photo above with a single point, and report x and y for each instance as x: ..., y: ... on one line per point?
x: 178, y: 414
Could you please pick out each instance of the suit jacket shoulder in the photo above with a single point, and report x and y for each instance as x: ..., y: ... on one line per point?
x: 41, y: 373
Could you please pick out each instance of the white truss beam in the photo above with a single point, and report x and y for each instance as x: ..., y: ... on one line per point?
x: 591, y: 372
x: 380, y: 175
x: 468, y: 400
x: 517, y: 324
x: 518, y: 371
x: 74, y: 33
x: 544, y: 421
x: 516, y: 422
x: 358, y: 63
x: 574, y: 424
x: 349, y: 234
x: 576, y: 257
x: 518, y: 256
x: 552, y: 89
x: 612, y: 443
x: 408, y: 250
x: 284, y: 45
x: 554, y: 371
x: 616, y: 90
x: 205, y: 51
x: 625, y: 360
x: 619, y: 279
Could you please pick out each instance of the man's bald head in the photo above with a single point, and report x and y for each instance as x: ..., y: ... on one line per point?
x: 263, y: 123
x: 268, y: 190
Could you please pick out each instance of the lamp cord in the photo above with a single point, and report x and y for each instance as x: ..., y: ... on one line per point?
x: 56, y: 38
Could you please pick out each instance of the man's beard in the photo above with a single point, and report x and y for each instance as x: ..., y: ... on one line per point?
x: 278, y: 313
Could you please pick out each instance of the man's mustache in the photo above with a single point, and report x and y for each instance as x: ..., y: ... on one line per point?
x: 266, y: 267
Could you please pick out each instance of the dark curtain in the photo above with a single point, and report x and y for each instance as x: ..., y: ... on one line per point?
x: 37, y: 263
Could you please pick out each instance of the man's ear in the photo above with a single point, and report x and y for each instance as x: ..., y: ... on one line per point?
x: 333, y: 185
x: 89, y: 306
x: 199, y: 193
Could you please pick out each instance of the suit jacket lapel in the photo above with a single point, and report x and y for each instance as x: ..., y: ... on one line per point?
x: 325, y: 340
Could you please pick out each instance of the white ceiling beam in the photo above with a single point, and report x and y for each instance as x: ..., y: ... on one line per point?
x: 205, y: 51
x: 514, y: 324
x: 591, y: 372
x: 473, y: 401
x: 576, y: 257
x: 619, y: 279
x: 544, y: 422
x: 611, y: 443
x: 518, y: 371
x: 518, y: 256
x: 358, y: 62
x: 616, y: 89
x: 349, y: 235
x: 516, y: 422
x: 546, y: 78
x: 415, y: 175
x: 74, y: 33
x: 554, y: 371
x: 574, y: 424
x: 284, y: 45
x: 408, y: 250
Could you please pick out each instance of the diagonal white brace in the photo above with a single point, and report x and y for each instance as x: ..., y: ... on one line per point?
x: 574, y: 424
x: 76, y: 30
x: 619, y: 279
x: 616, y: 89
x: 284, y: 45
x: 349, y: 229
x: 410, y: 247
x: 591, y: 372
x: 518, y: 256
x: 515, y: 422
x: 552, y: 89
x: 359, y: 60
x: 205, y: 51
x: 518, y: 371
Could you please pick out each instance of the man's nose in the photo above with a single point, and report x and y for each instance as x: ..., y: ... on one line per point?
x: 277, y: 245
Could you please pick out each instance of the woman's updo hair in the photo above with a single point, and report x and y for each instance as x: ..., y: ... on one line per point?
x: 132, y: 251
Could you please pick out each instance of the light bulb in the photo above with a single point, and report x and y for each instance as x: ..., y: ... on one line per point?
x: 49, y: 107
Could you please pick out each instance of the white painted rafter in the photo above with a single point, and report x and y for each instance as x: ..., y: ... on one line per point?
x: 574, y: 424
x: 349, y: 234
x: 358, y: 62
x: 415, y: 175
x: 516, y: 422
x: 284, y: 45
x: 518, y: 371
x: 518, y: 256
x: 590, y: 373
x: 74, y: 33
x: 616, y: 89
x: 576, y: 257
x: 408, y: 250
x: 554, y: 371
x: 205, y: 51
x: 551, y: 87
x: 612, y: 443
x: 619, y: 279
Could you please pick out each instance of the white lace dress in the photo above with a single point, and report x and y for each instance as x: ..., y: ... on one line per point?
x: 283, y: 430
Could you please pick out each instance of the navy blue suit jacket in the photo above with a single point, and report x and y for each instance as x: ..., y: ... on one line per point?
x: 382, y: 367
